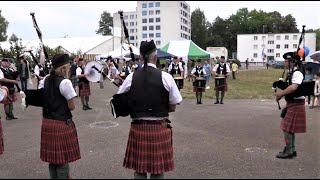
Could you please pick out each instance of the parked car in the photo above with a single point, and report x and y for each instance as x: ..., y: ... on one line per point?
x: 271, y: 62
x: 278, y: 65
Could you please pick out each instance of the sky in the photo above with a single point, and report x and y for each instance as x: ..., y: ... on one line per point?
x: 58, y: 19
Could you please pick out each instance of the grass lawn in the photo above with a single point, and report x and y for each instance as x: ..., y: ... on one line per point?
x: 252, y: 84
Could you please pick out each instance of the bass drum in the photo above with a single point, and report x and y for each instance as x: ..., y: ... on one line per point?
x: 93, y: 69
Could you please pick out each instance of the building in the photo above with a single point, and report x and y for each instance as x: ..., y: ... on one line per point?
x: 262, y: 47
x: 161, y: 21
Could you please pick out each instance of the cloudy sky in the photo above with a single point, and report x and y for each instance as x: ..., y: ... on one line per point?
x: 80, y: 18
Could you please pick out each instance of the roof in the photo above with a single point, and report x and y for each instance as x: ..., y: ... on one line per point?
x: 72, y: 45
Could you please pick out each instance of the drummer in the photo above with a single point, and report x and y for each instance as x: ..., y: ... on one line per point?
x: 199, y: 84
x: 176, y: 70
x: 221, y: 72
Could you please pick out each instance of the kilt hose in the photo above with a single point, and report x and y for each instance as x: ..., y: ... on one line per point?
x: 1, y: 139
x: 84, y: 89
x: 59, y: 142
x: 295, y: 118
x: 13, y: 98
x: 149, y: 148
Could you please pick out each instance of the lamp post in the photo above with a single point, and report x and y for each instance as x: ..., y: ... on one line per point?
x: 263, y: 45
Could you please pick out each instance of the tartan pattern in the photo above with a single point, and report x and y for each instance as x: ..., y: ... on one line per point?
x: 13, y: 98
x: 84, y: 89
x: 181, y: 83
x: 295, y: 119
x: 195, y: 89
x: 1, y: 140
x: 149, y: 149
x: 59, y: 142
x: 222, y: 88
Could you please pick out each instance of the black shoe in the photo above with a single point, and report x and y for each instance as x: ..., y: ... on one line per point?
x: 284, y: 154
x: 217, y: 102
x: 88, y: 107
x: 200, y: 102
x: 221, y: 102
x: 12, y: 117
x: 8, y: 118
x: 294, y: 153
x: 84, y: 108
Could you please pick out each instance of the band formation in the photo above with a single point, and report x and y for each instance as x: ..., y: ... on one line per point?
x: 149, y: 148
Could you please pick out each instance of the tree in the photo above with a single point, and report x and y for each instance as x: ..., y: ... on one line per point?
x: 3, y: 28
x: 105, y: 24
x: 15, y: 47
x: 198, y: 28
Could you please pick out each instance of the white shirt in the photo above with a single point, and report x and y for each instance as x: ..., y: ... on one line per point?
x: 37, y: 70
x: 78, y: 71
x: 171, y: 66
x: 1, y: 74
x: 2, y: 94
x: 65, y: 87
x: 194, y: 70
x: 168, y: 83
x: 297, y: 78
x: 317, y: 88
x: 217, y: 65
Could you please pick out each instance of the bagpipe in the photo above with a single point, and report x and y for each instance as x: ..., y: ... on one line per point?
x: 305, y: 88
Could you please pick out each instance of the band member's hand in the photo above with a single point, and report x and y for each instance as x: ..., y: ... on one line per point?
x: 278, y: 95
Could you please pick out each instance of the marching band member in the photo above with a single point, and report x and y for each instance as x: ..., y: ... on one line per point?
x: 176, y: 70
x: 221, y: 72
x: 3, y: 95
x: 155, y: 94
x: 294, y: 120
x: 7, y: 79
x: 39, y: 72
x: 59, y: 140
x: 126, y: 70
x: 84, y: 85
x: 199, y: 84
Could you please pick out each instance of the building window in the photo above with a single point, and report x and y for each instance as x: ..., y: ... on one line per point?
x: 144, y: 13
x: 150, y: 20
x: 277, y: 54
x: 286, y: 46
x: 295, y: 46
x: 270, y: 51
x: 157, y: 4
x: 144, y: 20
x: 255, y: 37
x: 157, y: 11
x: 131, y: 30
x: 181, y: 35
x: 144, y: 5
x: 158, y: 35
x: 158, y: 43
x: 255, y: 46
x: 278, y: 46
x: 126, y: 24
x: 151, y: 12
x: 125, y: 17
x: 131, y: 37
x: 263, y: 46
x: 157, y: 27
x: 144, y: 28
x: 286, y: 37
x: 150, y: 5
x: 278, y: 37
x: 144, y: 35
x: 295, y: 37
x: 151, y: 28
x: 131, y: 23
x: 157, y: 19
x: 151, y: 35
x: 270, y: 42
x: 255, y: 55
x: 131, y: 16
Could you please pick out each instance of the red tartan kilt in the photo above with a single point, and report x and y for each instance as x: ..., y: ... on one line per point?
x: 59, y: 142
x: 13, y: 98
x: 195, y: 89
x: 222, y: 88
x: 149, y: 149
x: 1, y: 139
x: 295, y: 119
x: 84, y: 89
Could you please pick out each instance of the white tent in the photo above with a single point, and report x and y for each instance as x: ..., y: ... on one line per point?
x: 120, y: 52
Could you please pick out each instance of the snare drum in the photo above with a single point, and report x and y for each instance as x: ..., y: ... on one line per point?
x: 220, y: 83
x: 199, y: 84
x: 179, y: 81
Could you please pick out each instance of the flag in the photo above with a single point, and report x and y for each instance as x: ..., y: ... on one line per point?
x: 35, y: 25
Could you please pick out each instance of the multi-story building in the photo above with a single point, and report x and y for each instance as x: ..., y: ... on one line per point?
x: 269, y: 46
x: 161, y: 21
